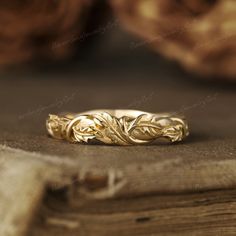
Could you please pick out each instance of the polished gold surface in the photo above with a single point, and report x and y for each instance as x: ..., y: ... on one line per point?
x: 121, y: 127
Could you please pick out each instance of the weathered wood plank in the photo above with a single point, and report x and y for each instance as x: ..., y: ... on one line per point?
x: 206, y: 160
x: 206, y: 213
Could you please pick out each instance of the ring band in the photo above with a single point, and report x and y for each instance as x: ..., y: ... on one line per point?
x: 121, y: 127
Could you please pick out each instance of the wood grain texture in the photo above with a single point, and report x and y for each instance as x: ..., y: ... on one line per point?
x: 205, y: 213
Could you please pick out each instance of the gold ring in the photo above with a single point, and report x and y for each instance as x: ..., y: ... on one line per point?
x: 121, y: 127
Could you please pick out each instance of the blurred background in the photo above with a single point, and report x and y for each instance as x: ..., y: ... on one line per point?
x: 153, y: 55
x: 198, y: 35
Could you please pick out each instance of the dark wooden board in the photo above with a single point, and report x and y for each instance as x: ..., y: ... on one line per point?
x: 204, y: 160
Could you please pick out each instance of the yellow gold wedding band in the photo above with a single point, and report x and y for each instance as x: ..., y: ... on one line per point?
x: 120, y: 127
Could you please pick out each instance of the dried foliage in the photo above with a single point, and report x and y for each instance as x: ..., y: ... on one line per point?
x: 39, y: 28
x: 200, y: 34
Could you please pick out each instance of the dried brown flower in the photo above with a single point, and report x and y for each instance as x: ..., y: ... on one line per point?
x: 38, y: 28
x: 200, y: 34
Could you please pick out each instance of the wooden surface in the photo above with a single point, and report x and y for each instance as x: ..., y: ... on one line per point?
x: 193, y: 164
x: 208, y: 214
x: 205, y: 162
